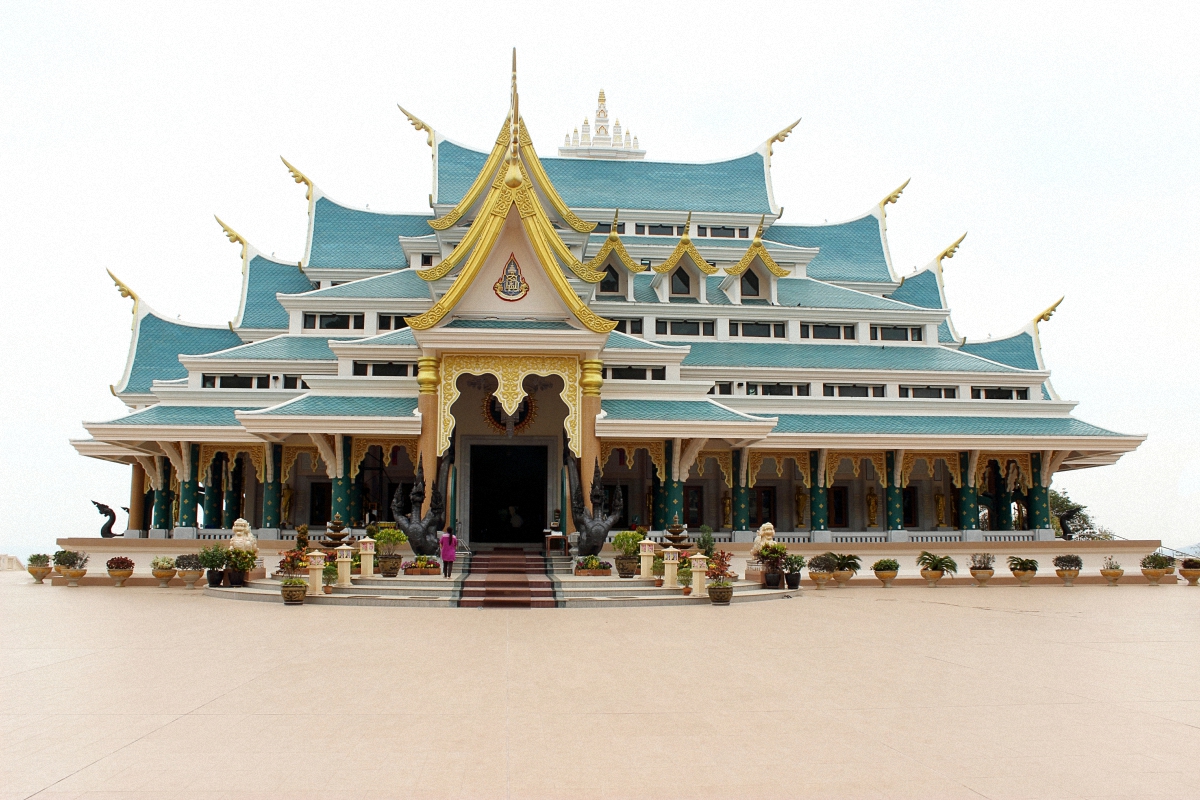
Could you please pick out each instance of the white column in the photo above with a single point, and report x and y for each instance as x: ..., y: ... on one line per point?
x: 646, y: 551
x: 699, y: 578
x: 316, y: 563
x: 670, y: 568
x: 366, y: 552
x: 345, y: 557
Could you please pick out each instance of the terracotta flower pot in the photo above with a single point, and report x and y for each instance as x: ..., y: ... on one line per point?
x: 191, y: 577
x: 1068, y: 576
x: 658, y: 582
x: 1154, y: 575
x: 932, y: 576
x: 842, y: 576
x: 720, y: 595
x: 820, y: 578
x: 327, y: 589
x: 1190, y: 575
x: 886, y: 576
x: 39, y: 573
x: 1025, y: 576
x: 594, y: 573
x: 293, y: 595
x: 1112, y: 575
x: 119, y: 576
x: 73, y: 575
x: 164, y: 577
x: 982, y: 576
x: 687, y: 590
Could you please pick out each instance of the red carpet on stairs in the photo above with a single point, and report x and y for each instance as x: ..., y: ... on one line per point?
x: 507, y: 578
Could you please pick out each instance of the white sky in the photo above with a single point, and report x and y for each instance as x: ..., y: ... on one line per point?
x: 1062, y: 136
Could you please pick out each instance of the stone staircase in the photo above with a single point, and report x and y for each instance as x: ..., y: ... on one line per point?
x: 507, y: 578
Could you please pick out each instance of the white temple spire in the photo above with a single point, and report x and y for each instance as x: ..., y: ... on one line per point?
x: 601, y: 140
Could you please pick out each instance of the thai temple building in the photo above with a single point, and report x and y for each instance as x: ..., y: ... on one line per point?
x: 654, y: 320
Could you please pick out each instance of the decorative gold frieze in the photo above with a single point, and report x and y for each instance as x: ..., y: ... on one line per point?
x: 724, y: 459
x: 799, y: 457
x: 654, y: 447
x: 360, y: 445
x: 950, y: 459
x: 253, y: 451
x: 833, y: 462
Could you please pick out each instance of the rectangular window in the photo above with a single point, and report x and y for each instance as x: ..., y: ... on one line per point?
x: 359, y: 322
x: 760, y: 329
x: 733, y: 329
x: 389, y: 370
x: 339, y: 322
x: 291, y: 381
x: 721, y: 233
x: 724, y: 388
x: 262, y: 382
x: 361, y: 367
x: 661, y: 230
x: 778, y: 389
x: 927, y: 392
x: 827, y: 331
x: 310, y: 322
x: 606, y: 227
x: 743, y: 233
x: 628, y: 373
x: 702, y: 230
x: 660, y: 327
x: 803, y: 331
x: 917, y: 334
x: 658, y: 373
x: 998, y: 393
x: 710, y: 328
x: 208, y: 382
x: 879, y: 391
x: 848, y: 332
x: 639, y: 228
x: 426, y: 259
x: 780, y: 330
x: 635, y: 326
x: 385, y: 322
x: 684, y: 327
x: 752, y: 388
x: 237, y: 382
x: 911, y: 515
x: 889, y: 333
x: 839, y: 507
x: 854, y: 390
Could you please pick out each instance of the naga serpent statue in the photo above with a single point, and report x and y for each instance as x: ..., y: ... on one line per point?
x: 106, y: 529
x: 593, y: 526
x: 423, y: 533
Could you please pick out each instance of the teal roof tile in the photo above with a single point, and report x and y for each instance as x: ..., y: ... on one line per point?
x: 622, y: 341
x: 673, y: 411
x: 283, y: 348
x: 183, y: 415
x: 850, y: 251
x: 346, y: 238
x: 265, y: 279
x: 400, y: 338
x: 344, y: 406
x: 808, y: 293
x: 920, y: 290
x: 714, y: 294
x: 780, y: 249
x: 934, y: 426
x: 1016, y: 351
x: 160, y: 342
x: 944, y: 335
x: 404, y: 284
x: 511, y: 325
x: 643, y: 292
x: 790, y: 355
x: 737, y: 185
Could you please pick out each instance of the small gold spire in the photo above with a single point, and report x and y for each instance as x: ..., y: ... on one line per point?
x: 891, y: 198
x: 1049, y: 312
x: 950, y: 251
x: 512, y: 175
x: 232, y: 235
x: 687, y: 229
x: 758, y: 233
x: 125, y: 291
x: 418, y: 124
x: 299, y: 177
x: 780, y: 137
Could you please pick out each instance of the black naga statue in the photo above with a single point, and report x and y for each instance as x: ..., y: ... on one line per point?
x: 423, y: 533
x: 593, y: 526
x: 106, y: 529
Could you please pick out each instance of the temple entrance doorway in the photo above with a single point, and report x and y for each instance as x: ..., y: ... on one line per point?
x: 508, y: 493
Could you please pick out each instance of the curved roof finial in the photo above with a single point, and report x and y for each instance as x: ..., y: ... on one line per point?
x: 418, y: 124
x: 299, y: 177
x: 950, y: 251
x: 512, y: 176
x: 125, y: 291
x: 232, y: 235
x: 1047, y: 314
x: 779, y: 137
x: 893, y: 197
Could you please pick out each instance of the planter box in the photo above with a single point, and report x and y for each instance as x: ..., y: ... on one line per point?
x: 594, y: 573
x: 423, y: 571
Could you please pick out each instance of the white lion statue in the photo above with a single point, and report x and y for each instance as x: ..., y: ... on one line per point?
x: 243, y: 537
x: 765, y: 534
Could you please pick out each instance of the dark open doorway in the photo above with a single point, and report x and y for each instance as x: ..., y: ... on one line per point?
x: 508, y: 493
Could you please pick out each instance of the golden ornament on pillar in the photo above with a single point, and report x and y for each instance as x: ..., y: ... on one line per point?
x: 592, y: 378
x: 427, y: 374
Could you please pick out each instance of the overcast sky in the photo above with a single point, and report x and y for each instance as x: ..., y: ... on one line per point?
x: 1062, y: 137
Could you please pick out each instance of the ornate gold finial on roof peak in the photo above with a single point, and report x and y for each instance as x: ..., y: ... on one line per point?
x: 780, y: 137
x: 418, y: 124
x: 1049, y: 312
x: 950, y: 251
x: 512, y: 174
x: 893, y: 197
x: 125, y: 291
x: 687, y: 229
x: 299, y: 177
x: 232, y: 235
x: 758, y: 234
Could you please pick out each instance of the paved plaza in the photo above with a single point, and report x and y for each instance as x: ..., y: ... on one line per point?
x: 1043, y: 692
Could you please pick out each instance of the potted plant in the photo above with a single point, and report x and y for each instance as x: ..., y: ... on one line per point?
x: 387, y: 545
x: 627, y: 543
x: 163, y: 568
x: 190, y: 569
x: 720, y: 578
x: 39, y: 567
x: 1154, y: 567
x: 1189, y: 570
x: 238, y: 563
x: 292, y: 564
x: 792, y: 565
x: 886, y: 570
x: 933, y: 567
x: 302, y: 537
x: 685, y: 577
x: 119, y: 569
x: 847, y: 567
x: 981, y: 568
x: 72, y: 565
x: 705, y: 542
x: 1023, y: 569
x: 820, y: 569
x: 592, y: 566
x: 771, y: 555
x: 212, y: 558
x: 1110, y: 568
x: 658, y: 568
x: 329, y: 576
x: 1067, y: 567
x: 422, y: 565
x: 61, y: 559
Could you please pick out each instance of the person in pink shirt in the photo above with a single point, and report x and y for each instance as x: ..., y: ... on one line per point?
x: 449, y: 544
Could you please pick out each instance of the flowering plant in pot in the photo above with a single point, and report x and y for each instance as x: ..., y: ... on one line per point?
x: 119, y: 569
x: 163, y: 568
x: 933, y: 567
x: 72, y: 564
x: 981, y: 568
x: 190, y: 569
x: 1189, y: 570
x: 820, y: 569
x: 238, y: 563
x: 293, y: 587
x: 1067, y: 567
x: 422, y: 565
x: 329, y: 576
x: 845, y: 567
x: 1154, y: 567
x: 626, y: 543
x: 792, y: 565
x: 593, y: 566
x: 1110, y: 568
x: 62, y: 560
x: 212, y: 558
x: 387, y: 543
x: 772, y: 554
x: 39, y: 566
x: 886, y: 570
x: 720, y: 578
x: 1023, y: 569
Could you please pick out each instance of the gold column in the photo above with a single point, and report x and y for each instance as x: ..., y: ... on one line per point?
x: 590, y: 381
x: 137, y: 495
x: 427, y: 404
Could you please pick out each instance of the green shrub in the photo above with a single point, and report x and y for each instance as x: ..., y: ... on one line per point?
x: 213, y: 557
x: 982, y: 560
x: 685, y: 574
x: 845, y: 562
x: 772, y: 555
x: 658, y: 567
x: 1157, y: 561
x: 627, y: 543
x: 329, y: 573
x: 1188, y: 563
x: 936, y: 563
x: 822, y: 563
x: 886, y: 565
x: 705, y: 541
x: 1069, y: 561
x: 1017, y: 564
x: 388, y: 541
x: 241, y: 560
x: 39, y: 560
x: 793, y: 563
x: 294, y: 581
x: 189, y: 561
x: 162, y: 562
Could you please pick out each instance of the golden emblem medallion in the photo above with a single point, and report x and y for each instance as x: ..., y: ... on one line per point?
x: 512, y: 285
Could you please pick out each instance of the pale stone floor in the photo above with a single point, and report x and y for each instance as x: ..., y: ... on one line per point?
x: 1003, y: 692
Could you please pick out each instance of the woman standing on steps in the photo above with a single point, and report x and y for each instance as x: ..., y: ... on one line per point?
x: 449, y: 546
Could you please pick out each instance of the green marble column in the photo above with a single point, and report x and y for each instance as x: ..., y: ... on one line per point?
x: 341, y: 486
x: 212, y: 491
x: 189, y: 490
x: 968, y: 497
x: 162, y: 497
x: 356, y: 493
x: 273, y: 489
x: 818, y: 500
x: 233, y: 489
x: 1039, y: 496
x: 741, y: 496
x: 895, y: 496
x: 1003, y: 506
x: 659, y: 493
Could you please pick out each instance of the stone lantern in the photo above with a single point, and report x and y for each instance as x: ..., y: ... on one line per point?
x: 699, y: 579
x: 366, y: 552
x: 345, y: 559
x: 670, y: 568
x: 646, y: 551
x: 316, y: 563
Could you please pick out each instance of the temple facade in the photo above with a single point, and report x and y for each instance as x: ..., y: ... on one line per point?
x: 654, y: 321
